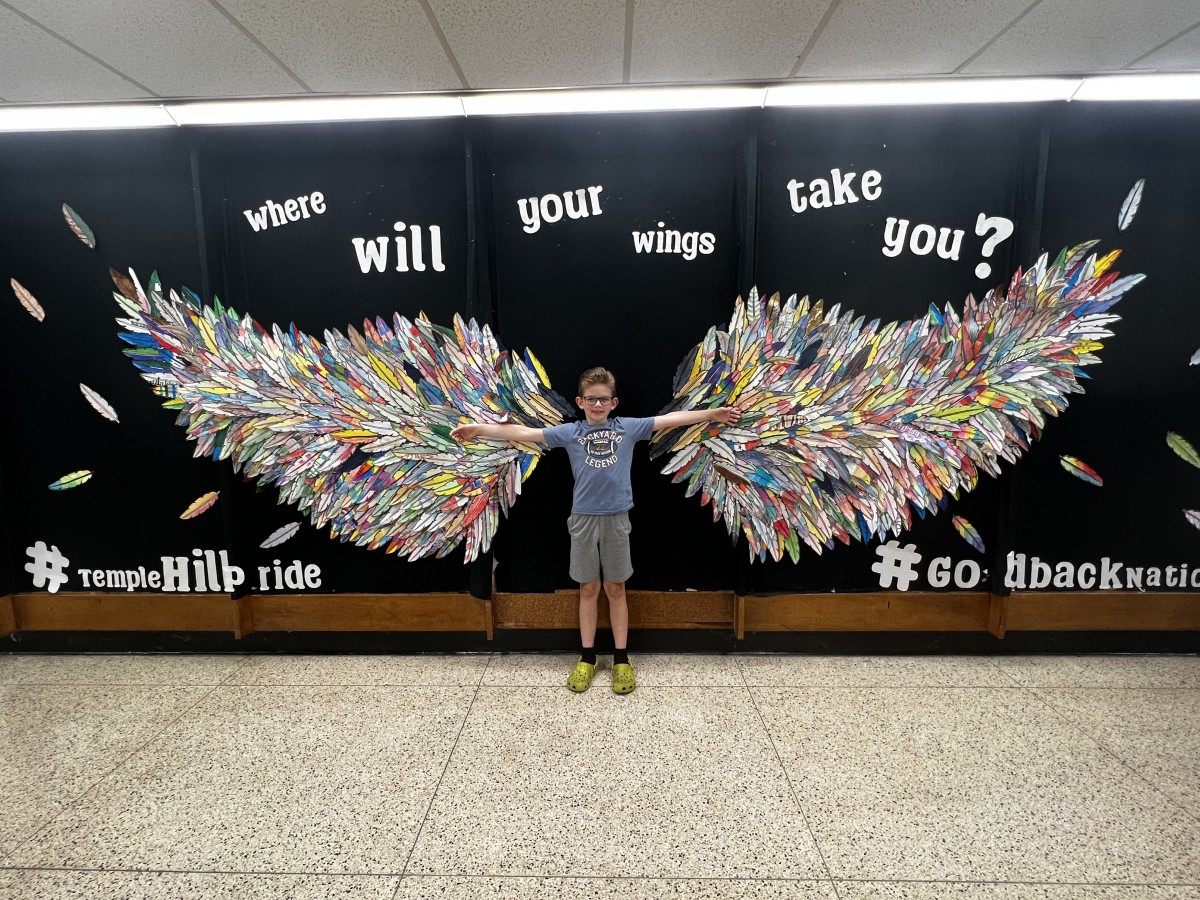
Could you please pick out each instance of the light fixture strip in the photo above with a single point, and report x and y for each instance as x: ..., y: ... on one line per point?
x: 1139, y: 87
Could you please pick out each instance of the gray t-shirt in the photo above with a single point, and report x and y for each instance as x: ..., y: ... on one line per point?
x: 600, y: 458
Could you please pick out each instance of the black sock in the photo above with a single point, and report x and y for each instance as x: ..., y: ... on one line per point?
x: 620, y: 657
x: 589, y: 655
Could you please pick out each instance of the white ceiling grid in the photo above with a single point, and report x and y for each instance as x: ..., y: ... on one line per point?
x: 1068, y: 36
x: 374, y: 46
x: 37, y: 66
x: 535, y: 43
x: 866, y: 38
x: 78, y: 50
x: 675, y: 40
x: 173, y: 47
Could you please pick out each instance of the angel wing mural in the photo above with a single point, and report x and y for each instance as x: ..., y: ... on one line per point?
x: 354, y: 429
x: 847, y: 427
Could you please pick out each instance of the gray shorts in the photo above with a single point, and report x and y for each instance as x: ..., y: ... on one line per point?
x: 600, y: 544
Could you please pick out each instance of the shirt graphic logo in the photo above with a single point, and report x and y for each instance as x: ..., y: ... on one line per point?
x: 601, y: 448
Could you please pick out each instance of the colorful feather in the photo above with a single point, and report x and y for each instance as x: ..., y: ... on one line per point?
x: 1193, y: 516
x: 28, y: 300
x: 968, y: 533
x: 354, y: 429
x: 72, y: 479
x: 98, y: 403
x: 200, y: 504
x: 848, y: 428
x: 1185, y: 450
x: 279, y: 535
x: 1081, y: 470
x: 1130, y: 207
x: 78, y: 226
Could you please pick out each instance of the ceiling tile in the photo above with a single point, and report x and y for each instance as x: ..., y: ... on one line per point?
x: 535, y: 43
x: 1082, y: 36
x: 1181, y: 53
x: 176, y: 48
x: 36, y: 66
x: 866, y: 38
x: 376, y: 45
x: 714, y: 40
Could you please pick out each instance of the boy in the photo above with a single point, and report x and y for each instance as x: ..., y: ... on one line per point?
x: 601, y: 450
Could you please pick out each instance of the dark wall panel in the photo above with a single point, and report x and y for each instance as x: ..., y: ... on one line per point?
x: 580, y: 294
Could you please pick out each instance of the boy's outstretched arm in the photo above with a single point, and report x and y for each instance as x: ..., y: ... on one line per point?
x: 726, y: 415
x: 514, y: 434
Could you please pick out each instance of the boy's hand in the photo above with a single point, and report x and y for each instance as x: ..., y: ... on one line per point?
x: 464, y: 432
x: 726, y: 415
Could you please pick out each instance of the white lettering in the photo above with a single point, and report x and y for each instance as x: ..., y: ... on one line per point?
x: 967, y: 573
x: 939, y: 572
x: 1087, y: 576
x: 175, y: 573
x: 870, y: 185
x: 370, y: 254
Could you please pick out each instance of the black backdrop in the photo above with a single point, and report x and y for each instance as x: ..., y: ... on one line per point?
x: 579, y: 293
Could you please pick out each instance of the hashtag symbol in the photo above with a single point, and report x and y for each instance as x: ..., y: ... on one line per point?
x: 896, y: 564
x: 46, y: 565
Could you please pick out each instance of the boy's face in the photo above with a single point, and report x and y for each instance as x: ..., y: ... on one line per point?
x: 597, y: 402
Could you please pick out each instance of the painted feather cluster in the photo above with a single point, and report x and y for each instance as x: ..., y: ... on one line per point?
x: 354, y: 429
x: 848, y: 426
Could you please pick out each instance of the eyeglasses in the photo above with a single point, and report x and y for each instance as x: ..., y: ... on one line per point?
x: 597, y: 401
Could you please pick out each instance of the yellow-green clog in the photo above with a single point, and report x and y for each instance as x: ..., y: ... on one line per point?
x: 623, y: 680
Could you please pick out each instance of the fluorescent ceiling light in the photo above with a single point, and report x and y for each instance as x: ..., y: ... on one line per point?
x: 1140, y: 87
x: 900, y: 93
x: 82, y: 118
x: 315, y: 109
x: 622, y: 100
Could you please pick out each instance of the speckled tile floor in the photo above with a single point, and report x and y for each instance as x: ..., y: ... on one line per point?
x: 751, y: 777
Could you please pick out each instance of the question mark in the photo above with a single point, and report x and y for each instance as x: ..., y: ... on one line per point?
x: 1004, y: 230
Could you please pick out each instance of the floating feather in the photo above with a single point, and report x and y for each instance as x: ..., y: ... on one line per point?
x: 277, y: 537
x: 200, y: 504
x: 1181, y: 446
x: 98, y: 403
x: 79, y: 227
x: 72, y: 479
x: 1130, y: 207
x: 1193, y: 516
x: 968, y: 533
x: 1081, y: 470
x: 28, y: 300
x: 1195, y: 360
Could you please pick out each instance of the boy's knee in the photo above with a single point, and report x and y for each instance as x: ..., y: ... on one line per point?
x: 589, y: 590
x: 614, y: 590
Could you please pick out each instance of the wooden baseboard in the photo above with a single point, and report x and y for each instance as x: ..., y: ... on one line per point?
x: 1103, y: 611
x: 647, y: 609
x: 707, y: 610
x: 8, y: 618
x: 69, y: 611
x: 869, y: 612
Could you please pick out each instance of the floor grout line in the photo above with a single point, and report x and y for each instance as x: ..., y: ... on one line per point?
x: 718, y: 879
x: 438, y: 786
x: 1112, y: 753
x: 91, y: 787
x: 788, y: 778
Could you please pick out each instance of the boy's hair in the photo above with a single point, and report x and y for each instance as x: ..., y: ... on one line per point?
x: 598, y: 375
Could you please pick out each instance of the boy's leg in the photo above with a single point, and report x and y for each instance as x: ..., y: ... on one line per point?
x: 585, y: 570
x: 618, y: 612
x: 623, y: 680
x: 589, y: 596
x: 617, y: 566
x: 580, y: 678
